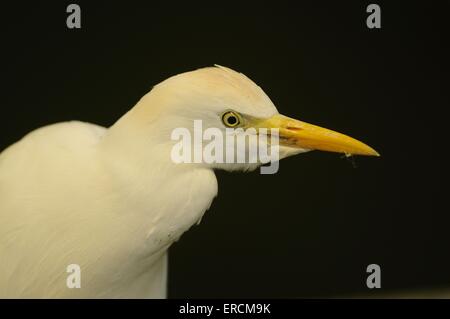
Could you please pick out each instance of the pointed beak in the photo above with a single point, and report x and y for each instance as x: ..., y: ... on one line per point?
x: 295, y: 133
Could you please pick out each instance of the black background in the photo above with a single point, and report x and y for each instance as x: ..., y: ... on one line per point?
x: 311, y: 229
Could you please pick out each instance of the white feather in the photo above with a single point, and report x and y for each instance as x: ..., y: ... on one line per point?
x: 111, y: 200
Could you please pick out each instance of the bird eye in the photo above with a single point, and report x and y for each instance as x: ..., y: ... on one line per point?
x: 230, y: 119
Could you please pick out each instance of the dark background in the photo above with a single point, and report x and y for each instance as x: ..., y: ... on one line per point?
x: 311, y: 229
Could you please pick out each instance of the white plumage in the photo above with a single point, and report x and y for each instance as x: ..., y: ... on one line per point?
x: 111, y: 200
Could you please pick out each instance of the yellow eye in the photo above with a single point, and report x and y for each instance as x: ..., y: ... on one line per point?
x: 231, y: 119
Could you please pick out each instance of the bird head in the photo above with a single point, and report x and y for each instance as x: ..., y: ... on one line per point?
x: 227, y: 103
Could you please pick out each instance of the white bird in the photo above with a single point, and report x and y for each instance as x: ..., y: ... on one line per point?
x: 112, y: 201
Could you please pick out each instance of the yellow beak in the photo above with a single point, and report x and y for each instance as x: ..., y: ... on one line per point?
x: 296, y: 133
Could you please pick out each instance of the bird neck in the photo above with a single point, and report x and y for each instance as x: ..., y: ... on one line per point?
x: 145, y: 180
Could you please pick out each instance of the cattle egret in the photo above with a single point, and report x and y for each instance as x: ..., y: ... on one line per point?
x: 111, y: 201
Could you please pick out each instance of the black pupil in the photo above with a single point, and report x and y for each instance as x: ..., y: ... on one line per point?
x: 232, y: 120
